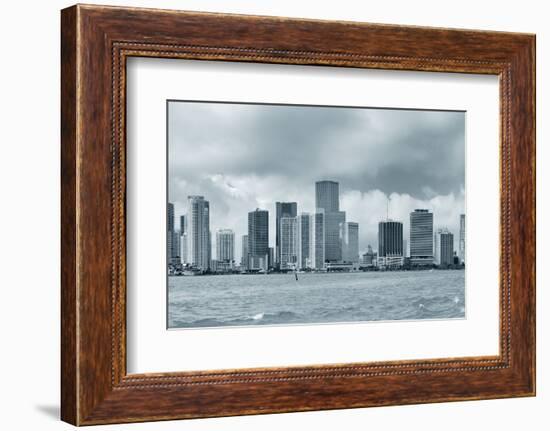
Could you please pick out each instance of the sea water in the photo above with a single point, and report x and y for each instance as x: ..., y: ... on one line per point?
x: 280, y: 299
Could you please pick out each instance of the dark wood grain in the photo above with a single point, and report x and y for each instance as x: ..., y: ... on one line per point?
x: 96, y: 41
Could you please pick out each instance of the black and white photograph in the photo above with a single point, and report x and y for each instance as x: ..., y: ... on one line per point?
x: 300, y: 214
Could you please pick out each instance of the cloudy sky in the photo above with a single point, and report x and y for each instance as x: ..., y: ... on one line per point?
x: 243, y: 156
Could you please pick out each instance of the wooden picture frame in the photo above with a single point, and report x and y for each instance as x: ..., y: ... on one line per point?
x: 95, y: 43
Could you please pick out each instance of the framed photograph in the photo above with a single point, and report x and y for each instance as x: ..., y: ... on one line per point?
x: 264, y: 214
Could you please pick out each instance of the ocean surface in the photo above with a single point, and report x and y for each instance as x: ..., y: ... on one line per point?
x: 278, y: 299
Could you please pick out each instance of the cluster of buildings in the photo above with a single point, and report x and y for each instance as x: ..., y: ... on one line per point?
x: 322, y: 240
x: 428, y: 248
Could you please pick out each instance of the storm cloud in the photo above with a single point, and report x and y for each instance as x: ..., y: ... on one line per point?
x: 247, y: 156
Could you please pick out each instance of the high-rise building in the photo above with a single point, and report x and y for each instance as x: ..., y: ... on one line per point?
x: 444, y: 247
x: 390, y: 243
x: 244, y: 252
x: 172, y: 237
x: 333, y: 245
x: 304, y: 232
x: 183, y: 224
x: 349, y: 238
x: 421, y: 237
x: 198, y: 232
x: 271, y: 258
x: 225, y: 245
x: 174, y: 247
x: 289, y: 242
x: 183, y: 248
x: 170, y: 217
x: 462, y: 239
x: 317, y: 239
x: 282, y: 209
x: 258, y: 239
x: 327, y: 196
x: 183, y: 239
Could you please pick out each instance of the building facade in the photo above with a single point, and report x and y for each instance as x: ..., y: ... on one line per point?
x: 327, y: 196
x: 462, y: 239
x: 390, y: 243
x: 244, y: 252
x: 258, y: 240
x: 349, y: 238
x: 225, y: 245
x: 282, y: 209
x: 421, y: 237
x: 289, y: 242
x: 198, y: 232
x: 317, y: 240
x: 444, y: 247
x: 333, y: 245
x: 304, y: 242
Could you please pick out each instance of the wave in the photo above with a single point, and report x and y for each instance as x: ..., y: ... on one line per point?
x: 264, y: 318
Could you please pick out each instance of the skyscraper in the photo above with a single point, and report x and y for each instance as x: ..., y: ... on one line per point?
x: 327, y: 195
x: 183, y: 239
x: 333, y: 246
x: 183, y: 248
x: 282, y: 209
x: 462, y: 240
x: 444, y: 247
x: 390, y: 243
x: 244, y: 252
x: 172, y: 237
x: 421, y: 237
x: 327, y: 198
x: 258, y: 239
x: 349, y: 237
x: 317, y: 239
x: 225, y: 245
x: 304, y: 232
x: 198, y: 232
x: 289, y: 242
x: 170, y: 217
x: 183, y: 224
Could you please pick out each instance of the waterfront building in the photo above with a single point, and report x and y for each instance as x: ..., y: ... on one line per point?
x: 183, y: 224
x: 258, y: 240
x: 222, y: 266
x: 183, y: 248
x: 170, y: 243
x: 327, y: 196
x: 170, y: 217
x: 282, y: 209
x: 390, y: 243
x: 244, y: 252
x: 317, y: 239
x: 225, y: 245
x: 367, y: 258
x: 271, y: 258
x: 444, y: 247
x: 183, y: 239
x: 349, y: 238
x: 333, y: 245
x: 173, y: 240
x: 288, y: 242
x: 198, y: 232
x: 304, y: 233
x: 421, y: 237
x: 462, y: 239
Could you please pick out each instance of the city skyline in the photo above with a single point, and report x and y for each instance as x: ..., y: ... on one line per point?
x: 258, y: 155
x: 300, y: 241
